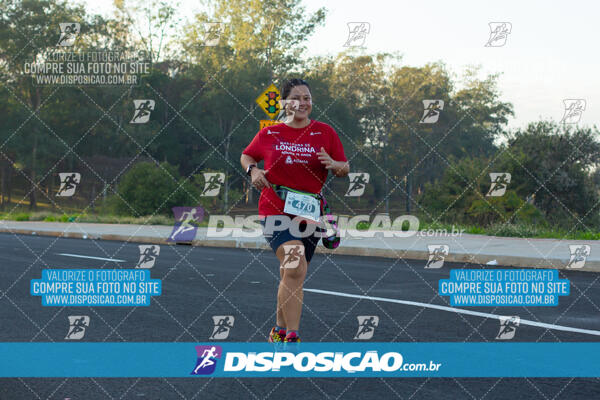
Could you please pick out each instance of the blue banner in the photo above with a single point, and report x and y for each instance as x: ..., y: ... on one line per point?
x: 504, y: 287
x: 228, y: 359
x: 95, y: 287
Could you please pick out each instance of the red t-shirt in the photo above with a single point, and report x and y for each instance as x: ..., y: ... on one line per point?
x: 290, y: 156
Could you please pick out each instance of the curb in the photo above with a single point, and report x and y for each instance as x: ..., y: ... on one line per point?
x: 482, y: 259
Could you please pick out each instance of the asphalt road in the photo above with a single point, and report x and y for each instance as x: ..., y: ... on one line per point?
x: 200, y: 282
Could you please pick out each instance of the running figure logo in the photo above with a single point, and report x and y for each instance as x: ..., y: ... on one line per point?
x: 508, y: 327
x: 148, y: 254
x: 358, y: 183
x: 431, y: 111
x: 499, y: 32
x: 77, y: 326
x: 143, y: 108
x: 357, y: 34
x: 223, y: 324
x: 500, y: 181
x: 68, y: 183
x: 366, y: 326
x: 437, y: 254
x: 186, y: 220
x: 212, y: 33
x: 292, y: 255
x: 68, y: 33
x: 579, y: 253
x: 287, y: 110
x: 573, y: 110
x: 207, y: 359
x: 212, y: 183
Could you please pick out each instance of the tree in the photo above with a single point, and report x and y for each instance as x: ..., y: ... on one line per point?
x: 553, y: 170
x: 554, y: 164
x: 269, y: 31
x: 350, y: 92
x: 27, y: 29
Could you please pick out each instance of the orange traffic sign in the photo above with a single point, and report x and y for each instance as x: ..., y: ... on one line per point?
x: 268, y: 122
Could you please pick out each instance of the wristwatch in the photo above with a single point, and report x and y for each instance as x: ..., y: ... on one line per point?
x: 249, y: 169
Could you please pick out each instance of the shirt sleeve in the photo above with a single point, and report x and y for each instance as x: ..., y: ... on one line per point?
x: 336, y: 150
x: 255, y: 149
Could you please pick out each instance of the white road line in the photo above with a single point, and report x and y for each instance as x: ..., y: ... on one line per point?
x: 456, y: 310
x: 93, y: 258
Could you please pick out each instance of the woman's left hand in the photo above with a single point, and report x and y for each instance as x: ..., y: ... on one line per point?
x: 330, y: 163
x: 326, y: 159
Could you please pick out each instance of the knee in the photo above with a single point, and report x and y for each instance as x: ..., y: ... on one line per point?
x: 296, y: 274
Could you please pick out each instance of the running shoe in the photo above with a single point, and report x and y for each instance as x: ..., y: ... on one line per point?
x: 291, y: 338
x: 276, y: 337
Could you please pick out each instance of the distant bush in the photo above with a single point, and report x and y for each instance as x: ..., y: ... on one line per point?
x: 513, y: 230
x: 148, y: 189
x: 504, y: 209
x: 22, y: 217
x: 476, y: 230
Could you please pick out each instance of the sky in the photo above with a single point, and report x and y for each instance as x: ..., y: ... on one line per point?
x: 550, y: 55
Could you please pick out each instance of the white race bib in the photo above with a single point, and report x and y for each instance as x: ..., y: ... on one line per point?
x: 302, y: 205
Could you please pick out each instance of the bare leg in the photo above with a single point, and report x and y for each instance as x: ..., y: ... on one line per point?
x: 280, y: 300
x: 290, y: 292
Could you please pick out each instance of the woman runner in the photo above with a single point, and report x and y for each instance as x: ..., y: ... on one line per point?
x: 298, y: 155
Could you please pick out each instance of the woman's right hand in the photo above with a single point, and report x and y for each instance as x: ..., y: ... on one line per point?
x: 259, y: 178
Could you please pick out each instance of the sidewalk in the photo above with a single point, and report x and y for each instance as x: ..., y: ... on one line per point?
x: 477, y: 249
